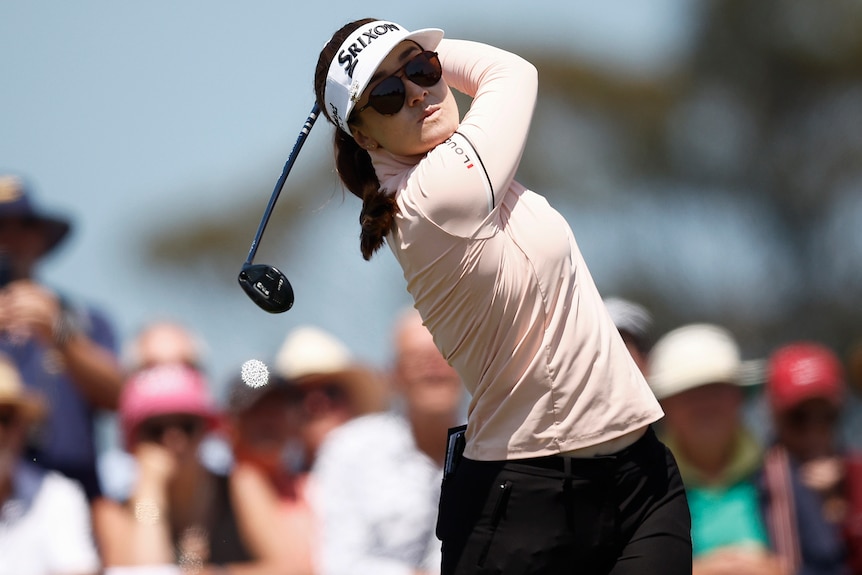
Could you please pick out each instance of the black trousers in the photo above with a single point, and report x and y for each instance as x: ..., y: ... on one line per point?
x: 623, y: 514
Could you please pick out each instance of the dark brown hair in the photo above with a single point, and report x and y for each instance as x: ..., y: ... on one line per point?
x: 353, y: 163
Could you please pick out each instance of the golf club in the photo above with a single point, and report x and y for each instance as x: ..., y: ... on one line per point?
x: 266, y: 285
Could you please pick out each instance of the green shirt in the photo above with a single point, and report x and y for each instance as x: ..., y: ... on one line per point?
x: 725, y: 511
x: 722, y: 516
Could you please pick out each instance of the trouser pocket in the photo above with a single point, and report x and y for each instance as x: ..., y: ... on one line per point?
x: 498, y: 501
x: 471, y: 502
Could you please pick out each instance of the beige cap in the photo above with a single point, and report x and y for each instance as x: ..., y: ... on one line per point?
x: 310, y: 355
x: 694, y: 355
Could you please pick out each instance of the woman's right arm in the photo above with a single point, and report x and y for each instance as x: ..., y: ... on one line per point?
x: 504, y: 88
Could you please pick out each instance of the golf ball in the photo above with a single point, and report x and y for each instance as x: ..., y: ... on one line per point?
x: 254, y: 373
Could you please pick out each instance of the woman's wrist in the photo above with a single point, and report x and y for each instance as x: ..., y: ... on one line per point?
x: 147, y: 511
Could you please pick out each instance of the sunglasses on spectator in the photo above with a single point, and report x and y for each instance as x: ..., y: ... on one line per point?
x: 18, y: 223
x: 154, y: 429
x: 807, y: 418
x: 8, y: 417
x: 387, y: 97
x: 155, y: 362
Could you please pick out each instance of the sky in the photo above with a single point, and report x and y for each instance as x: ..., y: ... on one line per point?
x: 125, y: 116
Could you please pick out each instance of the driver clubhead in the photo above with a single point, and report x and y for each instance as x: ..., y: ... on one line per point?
x: 267, y: 287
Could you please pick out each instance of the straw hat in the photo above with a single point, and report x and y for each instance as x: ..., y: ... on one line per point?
x: 311, y: 356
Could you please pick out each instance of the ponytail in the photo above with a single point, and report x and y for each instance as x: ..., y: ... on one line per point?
x: 377, y: 218
x: 352, y: 163
x: 378, y: 207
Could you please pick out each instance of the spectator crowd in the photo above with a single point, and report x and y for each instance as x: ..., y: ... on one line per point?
x: 332, y: 466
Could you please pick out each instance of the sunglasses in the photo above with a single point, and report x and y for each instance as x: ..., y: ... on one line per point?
x: 154, y: 430
x: 8, y: 417
x: 803, y: 419
x: 19, y: 223
x: 387, y: 97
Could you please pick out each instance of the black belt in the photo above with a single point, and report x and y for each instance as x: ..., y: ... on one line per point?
x: 567, y: 463
x: 554, y: 462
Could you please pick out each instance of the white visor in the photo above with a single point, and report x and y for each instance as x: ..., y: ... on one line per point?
x: 358, y: 58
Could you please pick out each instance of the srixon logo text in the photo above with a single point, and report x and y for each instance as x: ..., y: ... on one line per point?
x: 349, y: 56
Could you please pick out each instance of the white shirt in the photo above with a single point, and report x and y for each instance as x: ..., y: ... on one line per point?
x: 45, y: 527
x: 376, y: 496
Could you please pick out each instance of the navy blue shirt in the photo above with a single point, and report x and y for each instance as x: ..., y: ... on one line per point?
x: 821, y: 541
x: 65, y: 441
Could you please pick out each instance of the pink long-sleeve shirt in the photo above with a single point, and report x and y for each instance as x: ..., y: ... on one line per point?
x: 500, y: 282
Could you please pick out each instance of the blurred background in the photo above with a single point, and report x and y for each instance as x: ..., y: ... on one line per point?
x: 708, y: 155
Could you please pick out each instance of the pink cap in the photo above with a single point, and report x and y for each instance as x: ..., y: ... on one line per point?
x: 802, y: 371
x: 164, y: 390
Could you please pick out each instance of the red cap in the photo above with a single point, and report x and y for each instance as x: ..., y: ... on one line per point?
x: 802, y: 371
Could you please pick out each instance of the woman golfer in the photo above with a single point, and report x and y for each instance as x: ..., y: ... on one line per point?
x: 561, y: 472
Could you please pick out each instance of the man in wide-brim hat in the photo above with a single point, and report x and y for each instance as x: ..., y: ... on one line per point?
x: 65, y: 350
x: 18, y: 213
x: 334, y: 385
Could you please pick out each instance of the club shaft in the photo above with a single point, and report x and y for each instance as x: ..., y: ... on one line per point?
x: 300, y: 140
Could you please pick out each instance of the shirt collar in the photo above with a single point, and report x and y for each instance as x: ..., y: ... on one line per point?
x: 391, y: 168
x: 745, y: 461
